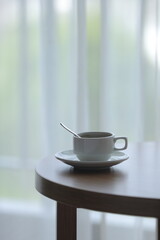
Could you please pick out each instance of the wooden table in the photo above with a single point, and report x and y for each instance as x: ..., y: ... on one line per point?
x: 132, y: 187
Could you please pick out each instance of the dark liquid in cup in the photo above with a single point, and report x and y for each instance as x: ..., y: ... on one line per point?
x: 95, y: 134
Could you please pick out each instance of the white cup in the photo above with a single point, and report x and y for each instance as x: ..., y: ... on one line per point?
x: 96, y: 146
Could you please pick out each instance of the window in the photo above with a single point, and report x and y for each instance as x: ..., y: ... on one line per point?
x: 92, y: 64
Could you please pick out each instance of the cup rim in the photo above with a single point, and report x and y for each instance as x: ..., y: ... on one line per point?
x: 94, y: 132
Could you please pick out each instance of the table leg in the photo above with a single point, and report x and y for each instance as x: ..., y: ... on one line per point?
x: 66, y: 222
x: 158, y: 228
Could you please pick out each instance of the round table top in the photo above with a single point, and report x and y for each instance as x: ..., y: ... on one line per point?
x: 132, y: 187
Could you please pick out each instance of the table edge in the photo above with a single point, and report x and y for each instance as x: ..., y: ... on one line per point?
x: 88, y: 199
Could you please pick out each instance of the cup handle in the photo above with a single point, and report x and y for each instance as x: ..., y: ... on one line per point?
x: 125, y: 140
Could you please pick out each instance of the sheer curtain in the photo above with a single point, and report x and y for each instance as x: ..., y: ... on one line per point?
x: 92, y: 64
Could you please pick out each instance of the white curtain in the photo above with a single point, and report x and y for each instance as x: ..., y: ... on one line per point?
x: 92, y: 64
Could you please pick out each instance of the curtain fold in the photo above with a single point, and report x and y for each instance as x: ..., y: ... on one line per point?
x: 140, y: 78
x: 157, y: 66
x: 49, y: 72
x: 23, y: 84
x: 81, y: 76
x: 104, y: 94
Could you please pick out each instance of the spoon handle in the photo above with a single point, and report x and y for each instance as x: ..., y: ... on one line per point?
x: 69, y: 130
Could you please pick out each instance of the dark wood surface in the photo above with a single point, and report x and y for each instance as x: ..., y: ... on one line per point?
x: 66, y: 222
x: 132, y: 187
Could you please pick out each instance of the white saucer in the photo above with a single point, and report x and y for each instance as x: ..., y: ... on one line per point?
x: 71, y: 159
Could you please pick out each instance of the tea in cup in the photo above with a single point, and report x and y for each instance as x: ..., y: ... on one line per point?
x: 96, y: 146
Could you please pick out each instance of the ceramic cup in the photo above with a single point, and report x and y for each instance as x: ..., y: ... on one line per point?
x: 96, y: 146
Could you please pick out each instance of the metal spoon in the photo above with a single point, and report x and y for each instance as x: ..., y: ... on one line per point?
x: 69, y: 130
